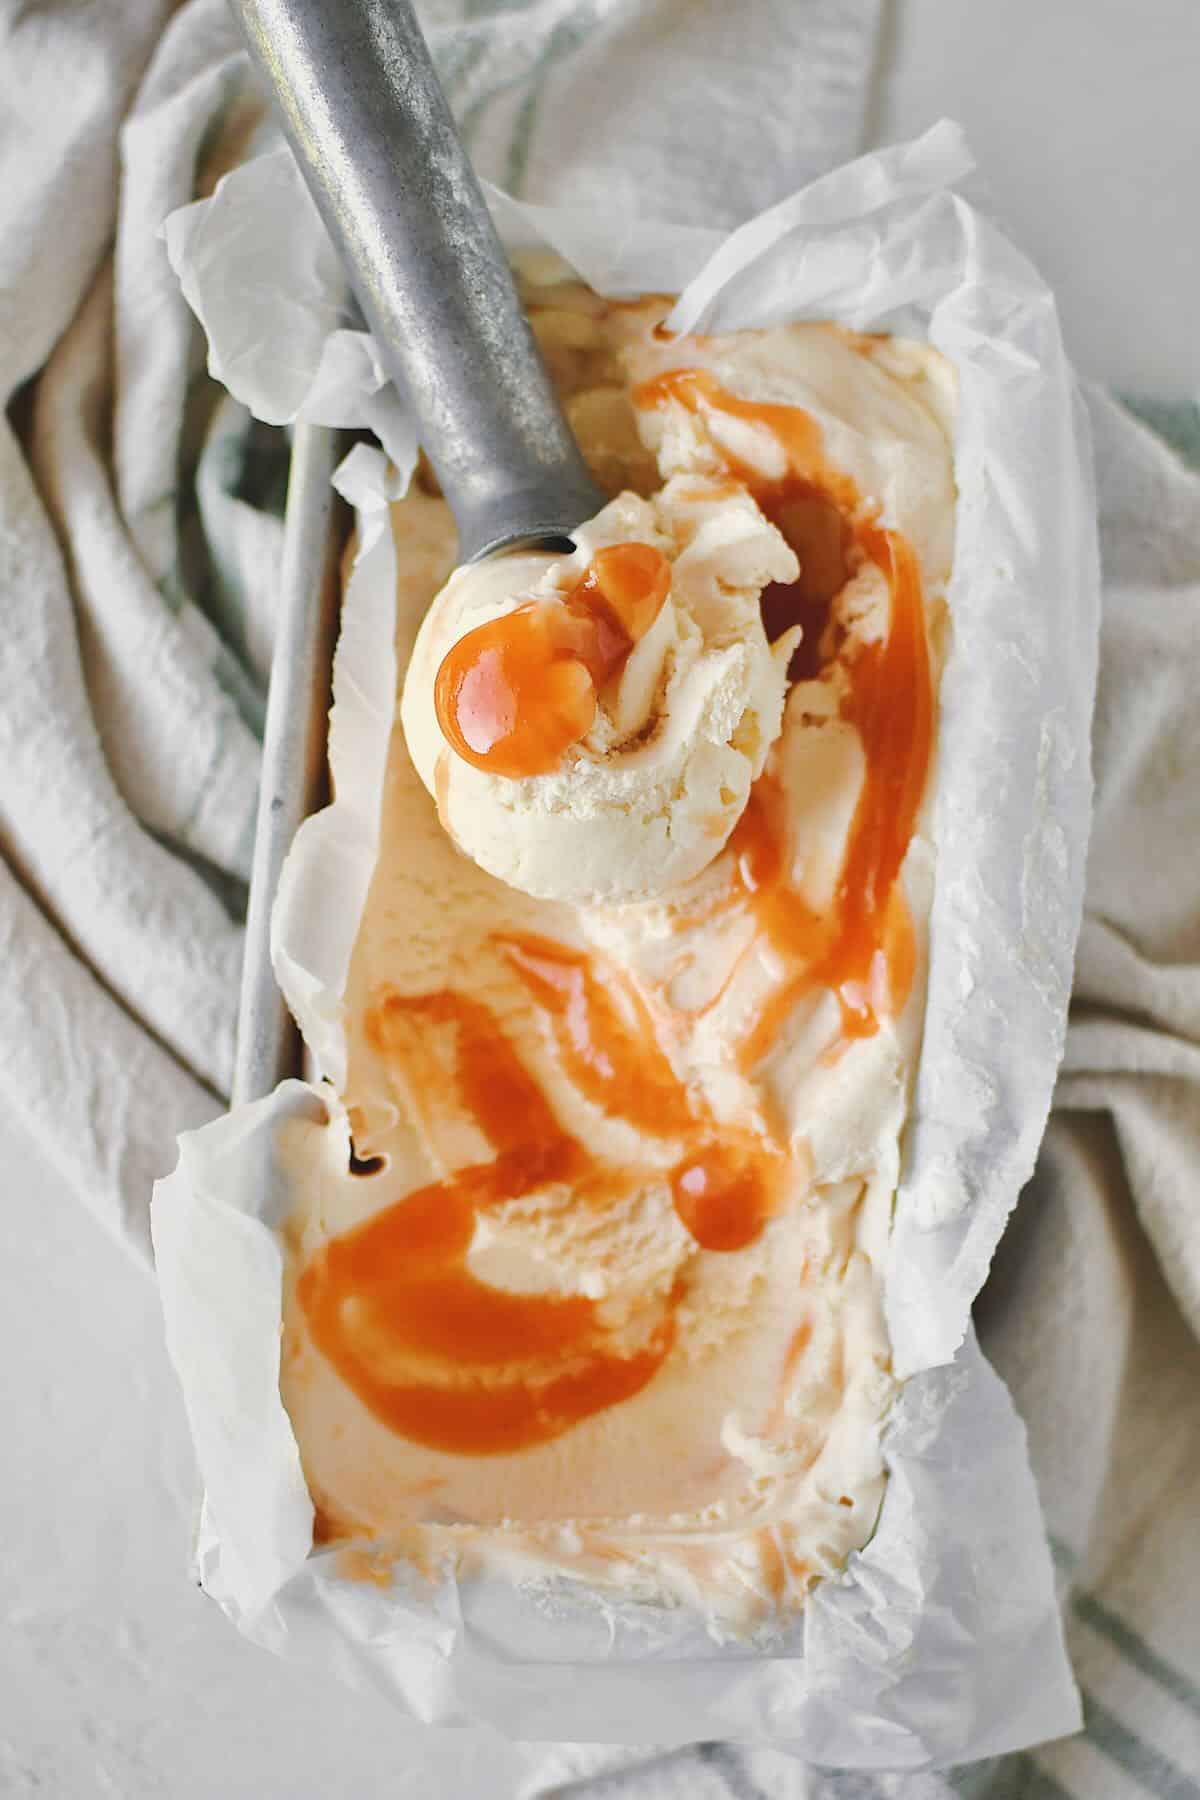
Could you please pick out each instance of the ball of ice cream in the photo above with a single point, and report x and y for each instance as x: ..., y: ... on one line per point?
x: 643, y: 772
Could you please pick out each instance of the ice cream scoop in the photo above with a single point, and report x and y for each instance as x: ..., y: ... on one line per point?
x: 590, y: 726
x: 375, y: 139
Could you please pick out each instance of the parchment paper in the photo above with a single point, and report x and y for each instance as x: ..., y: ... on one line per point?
x: 942, y: 1641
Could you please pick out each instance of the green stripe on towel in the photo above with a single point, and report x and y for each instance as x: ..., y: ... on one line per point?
x: 1015, y: 1777
x: 1150, y: 1767
x: 1177, y: 421
x: 1136, y: 1651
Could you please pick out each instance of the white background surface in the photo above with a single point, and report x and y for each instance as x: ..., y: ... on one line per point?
x: 1083, y: 118
x: 116, y: 1677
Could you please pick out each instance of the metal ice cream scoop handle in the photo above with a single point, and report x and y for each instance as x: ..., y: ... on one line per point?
x: 371, y: 130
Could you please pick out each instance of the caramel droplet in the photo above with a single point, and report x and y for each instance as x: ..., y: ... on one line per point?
x: 511, y: 698
x: 514, y: 694
x: 725, y: 1193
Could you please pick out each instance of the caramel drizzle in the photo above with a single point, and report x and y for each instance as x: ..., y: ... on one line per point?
x: 865, y: 949
x: 446, y: 1359
x: 514, y: 694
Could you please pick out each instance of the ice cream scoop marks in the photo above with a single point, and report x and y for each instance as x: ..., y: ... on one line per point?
x: 863, y: 949
x: 436, y: 1354
x: 730, y: 1178
x: 813, y: 504
x: 443, y: 1357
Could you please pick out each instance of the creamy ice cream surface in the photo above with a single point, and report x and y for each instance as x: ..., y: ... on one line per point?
x: 584, y: 1281
x: 649, y: 795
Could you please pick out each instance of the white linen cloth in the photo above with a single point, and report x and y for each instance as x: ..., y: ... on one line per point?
x: 139, y: 538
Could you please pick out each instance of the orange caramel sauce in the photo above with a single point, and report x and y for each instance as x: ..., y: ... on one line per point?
x: 811, y: 503
x: 514, y: 694
x: 864, y: 950
x: 444, y: 1358
x: 615, y: 1060
x: 436, y: 1354
x: 890, y: 703
x: 725, y: 1192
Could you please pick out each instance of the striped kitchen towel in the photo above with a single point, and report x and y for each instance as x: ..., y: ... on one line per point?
x: 139, y: 545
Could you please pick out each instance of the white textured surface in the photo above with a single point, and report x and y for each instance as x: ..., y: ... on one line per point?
x: 1083, y: 119
x: 118, y: 1677
x: 121, y: 1680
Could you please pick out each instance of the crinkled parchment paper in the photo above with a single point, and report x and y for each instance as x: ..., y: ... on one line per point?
x: 941, y: 1642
